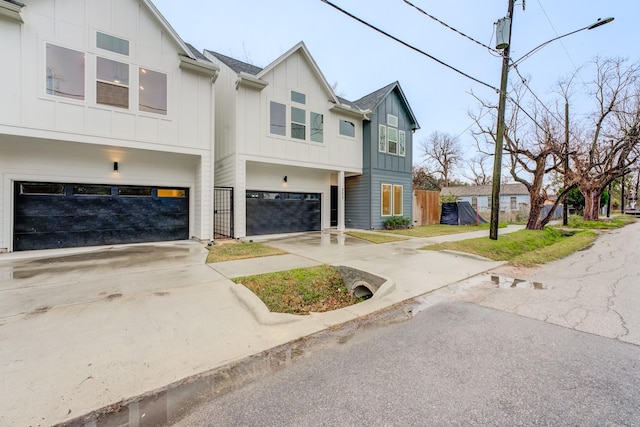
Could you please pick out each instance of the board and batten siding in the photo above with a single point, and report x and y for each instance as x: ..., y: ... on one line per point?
x: 358, y: 201
x: 392, y: 104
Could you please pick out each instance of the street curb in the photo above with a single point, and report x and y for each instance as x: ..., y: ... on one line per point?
x: 168, y: 404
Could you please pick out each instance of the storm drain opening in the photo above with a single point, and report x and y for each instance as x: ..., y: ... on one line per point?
x: 361, y: 290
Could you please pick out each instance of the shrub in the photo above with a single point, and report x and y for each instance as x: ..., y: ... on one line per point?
x: 396, y: 222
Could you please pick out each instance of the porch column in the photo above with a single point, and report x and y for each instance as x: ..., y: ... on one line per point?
x: 341, y: 192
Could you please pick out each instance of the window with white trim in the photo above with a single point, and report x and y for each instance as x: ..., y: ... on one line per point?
x: 277, y: 118
x: 392, y: 120
x: 112, y: 43
x: 382, y: 138
x: 347, y: 128
x: 112, y: 83
x: 514, y: 203
x: 298, y: 123
x: 392, y: 140
x: 316, y: 127
x: 152, y: 91
x: 391, y: 200
x: 402, y: 145
x: 65, y: 72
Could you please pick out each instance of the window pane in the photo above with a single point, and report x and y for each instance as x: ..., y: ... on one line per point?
x: 297, y: 131
x: 114, y: 44
x: 514, y: 205
x: 397, y: 199
x: 382, y: 138
x: 112, y: 87
x: 392, y: 120
x: 402, y: 146
x: 135, y: 191
x: 171, y: 192
x: 92, y: 190
x: 317, y: 127
x: 347, y: 128
x: 298, y: 115
x: 65, y: 72
x: 278, y: 119
x: 393, y: 140
x: 113, y: 71
x: 386, y: 199
x: 298, y: 97
x: 42, y: 189
x: 153, y: 91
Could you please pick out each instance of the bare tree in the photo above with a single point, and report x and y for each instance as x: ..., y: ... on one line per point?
x: 478, y: 170
x: 608, y: 140
x: 442, y: 154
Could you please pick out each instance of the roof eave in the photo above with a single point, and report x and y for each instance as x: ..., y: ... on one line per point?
x: 344, y: 109
x: 11, y: 10
x: 200, y: 67
x: 249, y: 81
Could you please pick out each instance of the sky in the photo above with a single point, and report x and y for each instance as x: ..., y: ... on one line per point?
x: 359, y: 60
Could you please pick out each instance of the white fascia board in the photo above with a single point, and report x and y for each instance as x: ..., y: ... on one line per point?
x: 11, y: 10
x: 249, y: 81
x: 341, y: 108
x: 200, y: 67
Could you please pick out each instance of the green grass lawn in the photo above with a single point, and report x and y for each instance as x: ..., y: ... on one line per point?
x: 300, y: 291
x: 576, y: 221
x: 524, y: 247
x: 244, y: 250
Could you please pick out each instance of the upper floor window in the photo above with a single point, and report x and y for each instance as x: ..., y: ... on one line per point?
x: 152, y: 93
x: 112, y: 83
x: 111, y: 43
x: 402, y: 144
x: 382, y: 138
x: 65, y: 72
x: 317, y: 127
x: 347, y: 128
x: 392, y: 120
x: 392, y: 138
x: 277, y: 118
x: 298, y: 123
x: 298, y: 97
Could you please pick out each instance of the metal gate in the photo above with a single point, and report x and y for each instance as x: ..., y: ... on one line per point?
x: 223, y: 213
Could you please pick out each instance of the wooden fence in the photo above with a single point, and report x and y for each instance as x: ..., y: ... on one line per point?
x: 426, y: 207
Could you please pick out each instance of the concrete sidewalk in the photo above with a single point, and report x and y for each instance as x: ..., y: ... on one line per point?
x: 82, y: 330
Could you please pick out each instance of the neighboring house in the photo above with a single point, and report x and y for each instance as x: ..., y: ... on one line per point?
x: 285, y: 144
x: 106, y: 132
x: 513, y: 197
x: 385, y: 187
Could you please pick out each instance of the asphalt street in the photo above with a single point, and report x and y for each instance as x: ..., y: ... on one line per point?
x: 453, y: 363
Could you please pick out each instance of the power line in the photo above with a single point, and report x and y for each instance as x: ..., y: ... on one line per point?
x: 449, y: 26
x: 408, y: 45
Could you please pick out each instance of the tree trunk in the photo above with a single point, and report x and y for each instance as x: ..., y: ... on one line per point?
x: 537, y: 203
x: 591, y: 205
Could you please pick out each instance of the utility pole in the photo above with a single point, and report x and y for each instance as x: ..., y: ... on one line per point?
x: 565, y: 204
x: 497, y: 159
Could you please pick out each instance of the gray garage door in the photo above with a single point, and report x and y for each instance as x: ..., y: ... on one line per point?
x: 53, y: 215
x: 273, y: 213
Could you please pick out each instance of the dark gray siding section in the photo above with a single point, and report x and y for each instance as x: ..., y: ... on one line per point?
x: 392, y: 104
x: 358, y: 201
x: 394, y: 178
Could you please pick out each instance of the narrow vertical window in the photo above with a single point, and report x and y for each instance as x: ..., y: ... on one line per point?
x: 397, y: 200
x: 65, y: 72
x: 112, y: 86
x: 474, y: 202
x: 514, y: 204
x: 278, y: 119
x: 386, y: 199
x: 382, y: 138
x: 402, y: 145
x: 152, y: 91
x: 316, y: 127
x: 298, y: 123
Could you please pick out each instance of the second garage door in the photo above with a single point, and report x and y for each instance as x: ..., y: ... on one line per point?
x: 274, y: 213
x: 54, y: 215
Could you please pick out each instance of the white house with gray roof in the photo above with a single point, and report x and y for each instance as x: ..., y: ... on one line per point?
x: 285, y: 144
x: 513, y: 197
x: 106, y: 126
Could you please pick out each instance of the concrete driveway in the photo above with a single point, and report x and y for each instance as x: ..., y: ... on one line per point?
x: 90, y: 328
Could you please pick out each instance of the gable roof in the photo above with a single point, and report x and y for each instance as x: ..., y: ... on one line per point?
x: 485, y: 190
x: 371, y: 101
x: 235, y: 64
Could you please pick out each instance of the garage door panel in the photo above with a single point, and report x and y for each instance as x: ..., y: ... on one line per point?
x: 282, y: 213
x: 58, y: 221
